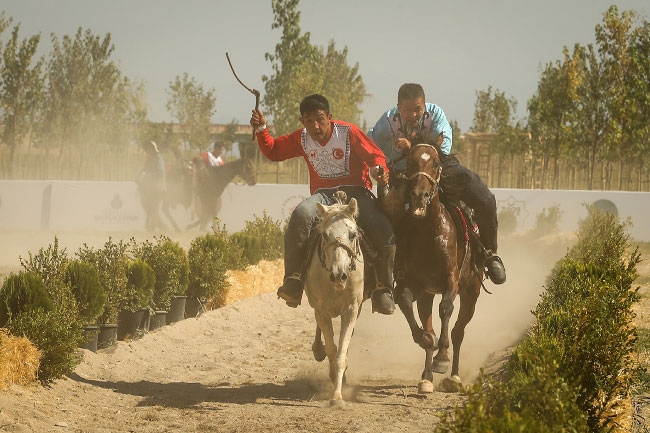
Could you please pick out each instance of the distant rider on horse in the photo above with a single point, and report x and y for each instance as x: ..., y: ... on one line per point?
x: 393, y: 132
x: 340, y: 157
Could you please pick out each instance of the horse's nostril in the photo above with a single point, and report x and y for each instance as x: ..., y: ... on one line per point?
x: 332, y: 277
x: 344, y: 277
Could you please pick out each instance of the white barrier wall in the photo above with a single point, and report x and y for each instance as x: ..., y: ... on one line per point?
x: 115, y: 206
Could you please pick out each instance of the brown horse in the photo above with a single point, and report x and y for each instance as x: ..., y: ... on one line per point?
x: 436, y: 261
x: 211, y: 181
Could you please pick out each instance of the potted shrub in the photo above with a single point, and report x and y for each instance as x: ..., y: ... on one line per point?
x: 207, y: 261
x: 137, y: 299
x: 111, y: 263
x: 83, y: 280
x: 171, y: 269
x: 22, y: 293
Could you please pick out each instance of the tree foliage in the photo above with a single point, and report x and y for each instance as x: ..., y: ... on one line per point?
x: 301, y: 69
x: 89, y: 106
x: 21, y: 90
x: 192, y: 106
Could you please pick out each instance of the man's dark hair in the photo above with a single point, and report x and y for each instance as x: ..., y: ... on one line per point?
x: 313, y: 103
x: 409, y: 91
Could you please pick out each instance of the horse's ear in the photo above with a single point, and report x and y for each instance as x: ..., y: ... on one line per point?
x: 439, y: 140
x: 320, y: 208
x: 353, y: 208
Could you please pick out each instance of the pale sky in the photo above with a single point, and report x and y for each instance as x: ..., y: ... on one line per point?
x: 454, y: 48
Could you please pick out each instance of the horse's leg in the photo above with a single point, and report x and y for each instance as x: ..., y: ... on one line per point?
x: 428, y: 339
x: 425, y: 311
x: 441, y: 360
x: 317, y: 347
x: 165, y: 210
x: 405, y: 304
x: 468, y: 298
x: 324, y: 323
x: 348, y: 321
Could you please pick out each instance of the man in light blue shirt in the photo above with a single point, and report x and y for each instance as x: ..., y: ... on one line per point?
x: 393, y: 133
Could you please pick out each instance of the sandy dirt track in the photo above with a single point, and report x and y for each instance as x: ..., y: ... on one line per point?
x: 248, y: 367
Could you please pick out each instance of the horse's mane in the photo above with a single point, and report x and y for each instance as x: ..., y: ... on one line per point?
x: 331, y: 213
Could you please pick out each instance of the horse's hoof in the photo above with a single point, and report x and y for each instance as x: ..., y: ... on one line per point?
x: 450, y: 384
x: 337, y: 404
x: 440, y: 367
x: 428, y: 341
x: 319, y: 351
x: 425, y: 387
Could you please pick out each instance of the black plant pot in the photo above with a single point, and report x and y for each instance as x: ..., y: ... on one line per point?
x: 177, y: 309
x: 128, y: 324
x: 158, y: 320
x: 91, y: 336
x: 194, y: 307
x: 146, y: 320
x: 107, y: 335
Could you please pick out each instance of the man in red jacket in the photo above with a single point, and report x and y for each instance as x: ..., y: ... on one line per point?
x: 340, y: 157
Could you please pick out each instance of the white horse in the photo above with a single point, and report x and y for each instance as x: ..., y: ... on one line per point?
x: 334, y: 286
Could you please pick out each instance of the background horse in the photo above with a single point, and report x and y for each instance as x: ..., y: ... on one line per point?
x: 335, y: 286
x: 436, y: 262
x: 180, y: 186
x: 211, y: 181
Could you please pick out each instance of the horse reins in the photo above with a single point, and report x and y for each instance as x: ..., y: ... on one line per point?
x: 435, y: 182
x: 352, y: 252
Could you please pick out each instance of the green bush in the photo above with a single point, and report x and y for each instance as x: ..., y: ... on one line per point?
x: 251, y: 247
x: 111, y: 262
x: 21, y: 293
x: 208, y: 268
x: 140, y: 286
x: 270, y: 235
x: 55, y: 335
x: 570, y: 373
x: 88, y: 291
x: 170, y: 266
x: 233, y: 252
x: 50, y: 264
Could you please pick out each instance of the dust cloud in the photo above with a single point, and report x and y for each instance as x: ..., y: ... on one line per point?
x: 382, y: 345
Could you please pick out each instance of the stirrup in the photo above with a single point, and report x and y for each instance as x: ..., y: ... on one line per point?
x: 494, y: 269
x: 382, y: 301
x: 291, y: 292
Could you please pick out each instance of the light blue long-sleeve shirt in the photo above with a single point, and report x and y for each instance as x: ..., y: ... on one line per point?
x: 388, y: 128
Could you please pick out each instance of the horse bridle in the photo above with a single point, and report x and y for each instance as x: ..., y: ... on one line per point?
x: 352, y: 252
x: 435, y: 181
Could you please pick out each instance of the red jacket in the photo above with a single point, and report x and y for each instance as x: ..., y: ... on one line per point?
x: 343, y: 160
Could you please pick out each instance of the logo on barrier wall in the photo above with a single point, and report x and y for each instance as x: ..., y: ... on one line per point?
x: 517, y: 207
x: 114, y: 214
x: 117, y: 202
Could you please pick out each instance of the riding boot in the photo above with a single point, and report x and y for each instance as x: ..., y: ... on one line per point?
x: 291, y: 290
x: 382, y: 296
x: 492, y: 263
x: 294, y: 258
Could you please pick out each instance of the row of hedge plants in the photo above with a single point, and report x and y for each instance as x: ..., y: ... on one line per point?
x: 55, y: 295
x: 577, y: 363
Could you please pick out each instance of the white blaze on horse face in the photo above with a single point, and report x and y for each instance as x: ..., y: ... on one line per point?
x: 425, y: 157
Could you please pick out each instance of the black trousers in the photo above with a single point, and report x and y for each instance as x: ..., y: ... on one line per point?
x: 466, y: 185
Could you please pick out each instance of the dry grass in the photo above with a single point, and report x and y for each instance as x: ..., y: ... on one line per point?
x: 263, y: 277
x: 19, y: 360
